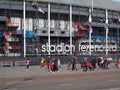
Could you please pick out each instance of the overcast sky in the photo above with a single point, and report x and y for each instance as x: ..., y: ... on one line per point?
x: 117, y: 0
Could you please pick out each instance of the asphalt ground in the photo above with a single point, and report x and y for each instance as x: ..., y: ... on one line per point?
x: 8, y: 74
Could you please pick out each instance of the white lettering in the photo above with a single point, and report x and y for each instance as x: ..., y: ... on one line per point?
x: 43, y: 48
x: 67, y: 48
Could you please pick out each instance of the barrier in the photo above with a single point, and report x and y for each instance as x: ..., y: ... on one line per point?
x: 20, y: 63
x: 6, y: 64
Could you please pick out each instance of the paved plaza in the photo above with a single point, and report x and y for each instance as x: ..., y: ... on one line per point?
x: 35, y: 72
x: 18, y: 78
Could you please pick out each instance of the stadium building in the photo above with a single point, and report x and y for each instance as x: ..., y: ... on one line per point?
x: 30, y: 28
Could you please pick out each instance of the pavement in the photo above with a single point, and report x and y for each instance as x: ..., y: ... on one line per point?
x: 9, y: 74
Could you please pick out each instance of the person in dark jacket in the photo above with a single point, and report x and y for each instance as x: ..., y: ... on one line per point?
x: 94, y: 63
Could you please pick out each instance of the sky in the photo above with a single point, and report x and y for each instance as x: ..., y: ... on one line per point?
x: 116, y: 0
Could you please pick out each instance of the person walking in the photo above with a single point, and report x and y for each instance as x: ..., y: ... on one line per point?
x: 42, y: 62
x: 117, y: 63
x: 94, y: 62
x: 67, y: 65
x: 84, y: 65
x: 59, y: 64
x: 73, y: 65
x: 90, y: 65
x: 27, y: 64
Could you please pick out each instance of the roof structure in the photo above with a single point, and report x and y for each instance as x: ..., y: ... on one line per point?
x: 103, y: 4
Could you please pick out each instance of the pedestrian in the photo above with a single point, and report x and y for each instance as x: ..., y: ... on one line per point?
x: 84, y: 65
x: 27, y: 64
x: 108, y: 64
x: 98, y: 61
x: 55, y: 66
x: 74, y: 65
x: 42, y: 62
x: 59, y: 64
x: 67, y: 65
x: 102, y: 62
x: 50, y: 65
x: 94, y: 62
x: 90, y: 65
x: 47, y: 63
x: 105, y: 64
x: 117, y: 63
x: 86, y: 62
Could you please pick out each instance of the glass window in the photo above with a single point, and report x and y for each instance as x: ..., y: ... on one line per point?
x: 44, y: 5
x: 30, y: 24
x: 52, y: 22
x: 16, y: 20
x: 75, y: 8
x: 60, y: 6
x: 99, y: 11
x: 41, y: 23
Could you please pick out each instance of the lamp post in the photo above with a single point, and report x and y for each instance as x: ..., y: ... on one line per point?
x: 90, y: 28
x: 92, y: 5
x: 107, y: 30
x: 90, y: 32
x: 70, y: 29
x: 24, y: 19
x: 49, y: 27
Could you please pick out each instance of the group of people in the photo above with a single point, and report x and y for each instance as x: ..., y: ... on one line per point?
x: 71, y: 65
x: 54, y: 64
x: 91, y: 64
x: 86, y: 64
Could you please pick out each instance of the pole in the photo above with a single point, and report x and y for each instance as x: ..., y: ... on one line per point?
x: 90, y: 20
x: 118, y: 46
x: 90, y: 15
x: 70, y: 29
x: 24, y: 16
x: 49, y: 27
x: 92, y: 5
x: 90, y: 40
x: 106, y: 21
x: 106, y: 41
x: 106, y: 50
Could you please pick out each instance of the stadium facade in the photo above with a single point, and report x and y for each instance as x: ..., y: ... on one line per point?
x: 82, y: 23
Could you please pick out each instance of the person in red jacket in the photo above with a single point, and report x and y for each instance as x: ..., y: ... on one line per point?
x: 117, y: 63
x: 90, y: 66
x: 84, y: 65
x: 68, y: 65
x: 50, y: 65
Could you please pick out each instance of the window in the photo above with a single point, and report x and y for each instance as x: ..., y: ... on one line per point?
x: 82, y: 9
x: 62, y: 32
x: 60, y: 6
x: 51, y: 32
x: 43, y: 31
